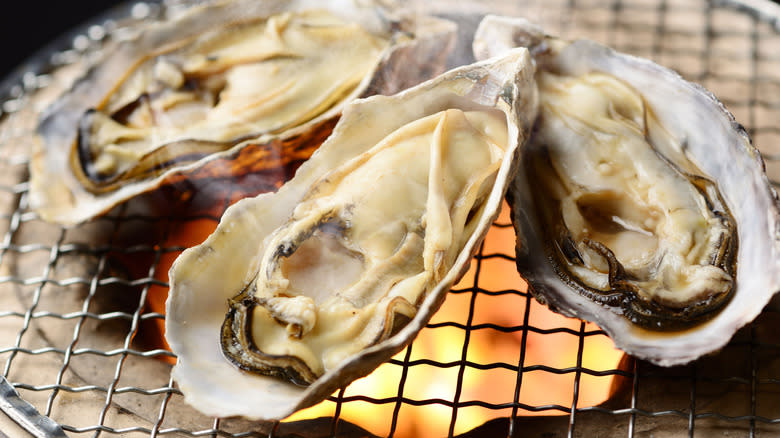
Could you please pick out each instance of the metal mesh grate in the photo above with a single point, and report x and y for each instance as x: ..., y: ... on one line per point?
x: 78, y: 324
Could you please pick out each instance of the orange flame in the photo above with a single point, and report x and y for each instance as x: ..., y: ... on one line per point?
x: 484, y: 371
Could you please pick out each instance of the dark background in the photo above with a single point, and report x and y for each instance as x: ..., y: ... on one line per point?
x: 28, y: 25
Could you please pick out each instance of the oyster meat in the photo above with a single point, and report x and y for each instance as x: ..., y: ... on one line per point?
x: 641, y: 204
x: 299, y: 292
x: 219, y: 79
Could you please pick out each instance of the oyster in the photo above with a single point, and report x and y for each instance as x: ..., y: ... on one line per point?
x: 234, y: 86
x: 640, y: 203
x: 323, y: 280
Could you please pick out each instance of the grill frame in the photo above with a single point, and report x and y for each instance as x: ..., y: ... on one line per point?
x: 627, y: 414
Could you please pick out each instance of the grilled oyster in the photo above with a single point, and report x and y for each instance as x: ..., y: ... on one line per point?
x: 323, y: 280
x: 228, y: 84
x: 641, y: 203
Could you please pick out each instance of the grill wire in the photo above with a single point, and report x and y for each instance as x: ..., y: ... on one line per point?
x: 73, y: 300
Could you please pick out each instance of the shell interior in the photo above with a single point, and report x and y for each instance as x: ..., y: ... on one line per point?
x: 182, y: 94
x: 700, y: 141
x: 247, y: 268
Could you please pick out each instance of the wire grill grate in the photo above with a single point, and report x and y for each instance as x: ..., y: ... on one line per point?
x: 76, y: 318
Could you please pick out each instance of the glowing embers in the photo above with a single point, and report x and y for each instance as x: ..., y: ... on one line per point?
x: 428, y: 379
x: 492, y: 322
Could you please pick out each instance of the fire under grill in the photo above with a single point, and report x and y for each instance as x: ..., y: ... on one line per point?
x: 81, y: 307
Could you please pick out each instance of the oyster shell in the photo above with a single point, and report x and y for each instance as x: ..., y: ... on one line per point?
x: 338, y: 270
x: 232, y: 86
x: 640, y: 203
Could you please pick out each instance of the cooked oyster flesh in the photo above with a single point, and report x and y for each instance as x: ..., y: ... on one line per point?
x: 630, y: 227
x: 364, y: 244
x: 259, y: 77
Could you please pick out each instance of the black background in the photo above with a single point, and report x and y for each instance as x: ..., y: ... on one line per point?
x: 28, y: 25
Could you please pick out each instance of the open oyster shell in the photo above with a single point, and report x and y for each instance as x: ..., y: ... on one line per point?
x: 640, y: 203
x: 224, y: 89
x: 343, y: 265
